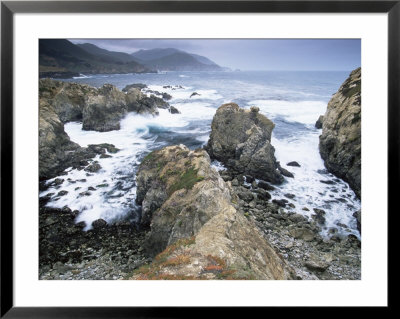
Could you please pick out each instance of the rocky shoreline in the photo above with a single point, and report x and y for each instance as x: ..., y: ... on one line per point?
x: 196, y: 222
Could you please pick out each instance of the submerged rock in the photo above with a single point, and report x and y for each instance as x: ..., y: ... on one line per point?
x: 241, y: 139
x: 340, y: 142
x: 195, y: 226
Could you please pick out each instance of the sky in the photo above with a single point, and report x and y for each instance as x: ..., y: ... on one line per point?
x: 255, y: 54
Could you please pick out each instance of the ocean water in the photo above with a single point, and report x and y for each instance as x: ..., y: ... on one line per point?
x: 292, y: 100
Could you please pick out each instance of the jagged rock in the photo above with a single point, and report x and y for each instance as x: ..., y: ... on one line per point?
x: 285, y: 172
x: 241, y: 140
x: 174, y: 110
x: 104, y: 111
x: 319, y: 122
x: 197, y: 222
x: 142, y: 104
x: 194, y: 94
x: 340, y: 142
x: 56, y: 151
x: 66, y: 98
x: 54, y: 143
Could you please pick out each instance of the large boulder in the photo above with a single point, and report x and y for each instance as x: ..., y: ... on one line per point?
x: 194, y: 226
x: 104, y: 111
x: 241, y: 139
x: 340, y: 141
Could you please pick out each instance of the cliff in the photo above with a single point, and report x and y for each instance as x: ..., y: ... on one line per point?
x: 340, y: 142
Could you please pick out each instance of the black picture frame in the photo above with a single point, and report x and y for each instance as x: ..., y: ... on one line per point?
x: 9, y: 8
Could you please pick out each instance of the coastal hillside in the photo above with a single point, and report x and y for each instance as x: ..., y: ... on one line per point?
x: 174, y: 60
x: 60, y: 58
x: 340, y: 141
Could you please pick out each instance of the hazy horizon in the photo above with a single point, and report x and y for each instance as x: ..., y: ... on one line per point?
x: 254, y: 54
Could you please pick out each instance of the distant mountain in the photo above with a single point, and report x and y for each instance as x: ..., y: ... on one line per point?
x: 61, y: 58
x: 174, y: 60
x: 153, y: 54
x: 107, y: 56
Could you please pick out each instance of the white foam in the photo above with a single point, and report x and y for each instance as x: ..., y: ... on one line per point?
x: 306, y: 112
x: 306, y: 185
x: 82, y: 76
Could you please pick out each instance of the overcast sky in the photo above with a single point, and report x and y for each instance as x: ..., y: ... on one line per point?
x: 262, y: 54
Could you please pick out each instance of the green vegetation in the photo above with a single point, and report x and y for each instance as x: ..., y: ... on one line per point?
x: 186, y: 180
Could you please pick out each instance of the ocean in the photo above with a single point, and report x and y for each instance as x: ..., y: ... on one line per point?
x: 292, y: 100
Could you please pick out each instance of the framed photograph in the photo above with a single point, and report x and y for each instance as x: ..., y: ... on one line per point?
x: 162, y: 155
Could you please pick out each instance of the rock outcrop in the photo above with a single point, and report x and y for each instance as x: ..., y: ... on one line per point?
x: 56, y: 151
x: 104, y: 110
x: 142, y: 104
x: 241, y: 139
x: 54, y: 143
x: 340, y: 142
x: 67, y: 99
x: 99, y: 109
x: 194, y: 224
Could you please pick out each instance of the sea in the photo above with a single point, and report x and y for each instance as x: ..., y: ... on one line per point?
x: 292, y: 100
